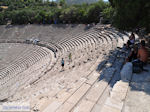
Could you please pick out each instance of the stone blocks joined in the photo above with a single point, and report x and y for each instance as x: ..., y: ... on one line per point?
x: 126, y: 72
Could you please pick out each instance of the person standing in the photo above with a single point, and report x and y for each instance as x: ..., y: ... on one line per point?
x: 70, y: 57
x: 62, y: 64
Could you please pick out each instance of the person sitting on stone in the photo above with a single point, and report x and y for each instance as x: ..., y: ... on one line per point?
x: 133, y: 54
x: 143, y: 53
x: 131, y: 40
x: 142, y: 56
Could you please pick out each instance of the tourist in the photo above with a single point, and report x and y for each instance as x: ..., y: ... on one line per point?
x: 133, y: 55
x: 35, y: 41
x: 143, y: 53
x: 70, y: 57
x: 55, y: 53
x: 142, y: 56
x: 131, y: 40
x: 62, y: 64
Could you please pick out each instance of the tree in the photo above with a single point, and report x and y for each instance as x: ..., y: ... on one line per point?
x: 1, y: 18
x: 22, y: 16
x: 107, y: 14
x: 37, y: 11
x: 62, y: 3
x: 94, y: 11
x: 130, y: 14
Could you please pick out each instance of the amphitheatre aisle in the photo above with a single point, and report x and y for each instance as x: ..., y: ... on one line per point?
x: 33, y: 73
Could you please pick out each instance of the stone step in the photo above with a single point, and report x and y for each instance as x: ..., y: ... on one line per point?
x: 74, y: 99
x: 88, y: 40
x: 12, y: 76
x: 78, y: 41
x: 76, y: 36
x: 98, y: 107
x: 93, y: 94
x: 24, y: 77
x: 117, y: 97
x: 30, y: 60
x: 119, y: 37
x: 92, y: 78
x: 63, y: 96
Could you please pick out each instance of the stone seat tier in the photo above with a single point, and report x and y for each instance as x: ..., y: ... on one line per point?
x: 26, y: 77
x: 25, y: 61
x: 89, y: 37
x: 10, y: 52
x: 85, y: 40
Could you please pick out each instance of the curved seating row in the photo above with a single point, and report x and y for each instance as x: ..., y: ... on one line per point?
x: 91, y: 37
x: 23, y: 62
x: 11, y: 84
x: 11, y: 52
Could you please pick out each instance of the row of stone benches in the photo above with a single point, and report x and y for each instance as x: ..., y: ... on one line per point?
x: 11, y: 84
x: 23, y: 63
x: 90, y: 38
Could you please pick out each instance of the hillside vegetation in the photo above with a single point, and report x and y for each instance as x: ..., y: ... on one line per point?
x: 37, y: 11
x: 123, y: 14
x: 79, y: 1
x: 131, y: 14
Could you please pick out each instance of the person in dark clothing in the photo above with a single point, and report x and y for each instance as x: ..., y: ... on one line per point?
x: 131, y: 40
x: 62, y: 63
x: 133, y: 54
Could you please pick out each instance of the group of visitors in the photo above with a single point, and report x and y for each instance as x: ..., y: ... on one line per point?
x: 138, y: 54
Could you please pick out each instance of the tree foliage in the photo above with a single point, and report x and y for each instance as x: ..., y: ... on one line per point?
x: 71, y: 2
x: 46, y: 12
x: 131, y: 14
x: 1, y: 18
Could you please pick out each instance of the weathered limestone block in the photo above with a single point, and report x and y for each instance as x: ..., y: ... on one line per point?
x: 107, y: 108
x: 114, y: 103
x: 79, y: 93
x: 119, y: 91
x: 96, y: 91
x: 53, y: 106
x: 120, y: 86
x: 118, y: 96
x: 92, y: 78
x: 84, y: 106
x: 66, y: 107
x: 126, y: 72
